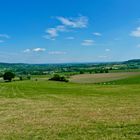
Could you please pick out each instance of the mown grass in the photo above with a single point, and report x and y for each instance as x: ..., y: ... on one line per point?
x: 45, y: 110
x: 129, y: 80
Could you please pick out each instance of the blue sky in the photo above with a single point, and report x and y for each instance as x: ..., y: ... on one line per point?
x: 52, y: 31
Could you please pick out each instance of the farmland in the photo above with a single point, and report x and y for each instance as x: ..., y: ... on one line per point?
x: 55, y: 110
x: 105, y: 77
x: 70, y: 70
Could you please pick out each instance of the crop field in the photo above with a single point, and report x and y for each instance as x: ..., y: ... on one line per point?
x: 46, y: 110
x: 103, y: 77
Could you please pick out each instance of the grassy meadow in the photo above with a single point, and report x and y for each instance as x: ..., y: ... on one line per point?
x: 46, y: 110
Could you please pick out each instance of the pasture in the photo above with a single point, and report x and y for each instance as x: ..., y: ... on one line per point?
x: 46, y: 110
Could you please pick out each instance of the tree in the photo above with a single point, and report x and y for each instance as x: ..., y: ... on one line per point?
x: 8, y: 76
x: 57, y: 77
x: 101, y: 71
x: 106, y: 71
x: 81, y: 72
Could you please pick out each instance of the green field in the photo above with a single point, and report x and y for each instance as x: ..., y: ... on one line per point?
x: 44, y: 110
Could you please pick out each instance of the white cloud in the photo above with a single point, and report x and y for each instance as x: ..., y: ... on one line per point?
x: 107, y: 50
x: 34, y: 50
x: 67, y: 24
x: 56, y: 52
x: 54, y: 32
x: 79, y: 22
x: 39, y: 50
x: 136, y: 33
x: 61, y: 28
x: 97, y: 34
x: 70, y: 38
x: 26, y: 50
x: 88, y: 42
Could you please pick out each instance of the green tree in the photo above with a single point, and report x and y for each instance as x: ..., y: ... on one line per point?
x: 8, y: 76
x: 106, y: 71
x: 81, y: 72
x: 57, y: 77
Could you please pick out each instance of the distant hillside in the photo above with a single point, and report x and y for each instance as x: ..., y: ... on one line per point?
x: 38, y: 69
x: 6, y: 65
x: 132, y: 61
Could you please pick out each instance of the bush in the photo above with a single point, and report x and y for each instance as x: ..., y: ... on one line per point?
x: 106, y: 71
x: 57, y: 77
x: 8, y: 76
x: 81, y: 72
x: 101, y: 71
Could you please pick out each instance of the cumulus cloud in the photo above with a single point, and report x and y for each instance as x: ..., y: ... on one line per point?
x: 34, y: 50
x: 56, y: 52
x: 39, y: 50
x: 67, y: 24
x: 79, y: 22
x: 54, y: 32
x: 88, y: 42
x: 136, y: 33
x: 97, y: 34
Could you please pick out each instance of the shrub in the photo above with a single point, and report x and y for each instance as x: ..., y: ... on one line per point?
x: 106, y: 71
x: 81, y: 72
x: 57, y: 77
x: 101, y: 71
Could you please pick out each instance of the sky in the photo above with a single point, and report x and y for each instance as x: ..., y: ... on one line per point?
x: 69, y: 31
